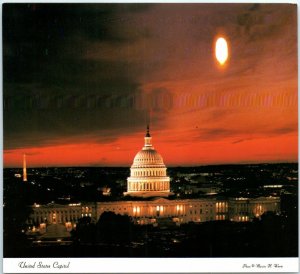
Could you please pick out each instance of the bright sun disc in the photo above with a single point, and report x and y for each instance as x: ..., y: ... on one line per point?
x: 221, y: 50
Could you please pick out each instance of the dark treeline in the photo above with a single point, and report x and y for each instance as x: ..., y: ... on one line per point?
x: 116, y: 236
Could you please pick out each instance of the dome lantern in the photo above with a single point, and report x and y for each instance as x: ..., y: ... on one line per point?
x: 148, y: 139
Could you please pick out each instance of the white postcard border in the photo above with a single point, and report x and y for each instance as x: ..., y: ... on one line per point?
x: 149, y: 265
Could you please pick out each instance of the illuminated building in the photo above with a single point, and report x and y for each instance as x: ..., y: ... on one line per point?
x: 148, y: 179
x: 152, y: 211
x: 24, y: 169
x: 148, y: 173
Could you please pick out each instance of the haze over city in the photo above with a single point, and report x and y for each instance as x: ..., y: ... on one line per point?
x: 82, y: 81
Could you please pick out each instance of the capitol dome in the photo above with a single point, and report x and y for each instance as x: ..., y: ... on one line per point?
x: 147, y: 157
x: 148, y: 173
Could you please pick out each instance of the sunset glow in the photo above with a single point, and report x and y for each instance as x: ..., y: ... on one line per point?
x: 80, y: 85
x: 121, y: 152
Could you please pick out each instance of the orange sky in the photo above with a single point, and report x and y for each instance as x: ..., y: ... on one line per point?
x: 274, y: 149
x: 89, y: 106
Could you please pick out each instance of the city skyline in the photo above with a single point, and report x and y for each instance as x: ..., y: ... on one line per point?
x: 82, y: 81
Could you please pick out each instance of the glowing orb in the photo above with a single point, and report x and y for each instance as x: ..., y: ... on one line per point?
x: 221, y: 50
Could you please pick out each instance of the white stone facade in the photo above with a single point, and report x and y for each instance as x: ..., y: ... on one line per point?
x: 150, y: 212
x: 148, y: 173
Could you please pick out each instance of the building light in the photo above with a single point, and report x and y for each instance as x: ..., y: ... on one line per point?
x: 75, y: 204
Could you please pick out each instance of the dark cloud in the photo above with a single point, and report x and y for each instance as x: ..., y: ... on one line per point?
x: 215, y: 132
x: 285, y: 130
x: 240, y: 141
x: 210, y: 134
x: 94, y: 71
x: 51, y: 93
x: 32, y: 153
x: 264, y: 21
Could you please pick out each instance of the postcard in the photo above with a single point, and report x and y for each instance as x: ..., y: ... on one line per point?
x: 150, y: 137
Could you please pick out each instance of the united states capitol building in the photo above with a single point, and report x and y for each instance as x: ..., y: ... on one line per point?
x: 150, y: 200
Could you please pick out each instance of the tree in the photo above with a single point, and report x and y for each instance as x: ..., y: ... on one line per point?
x: 114, y: 228
x: 85, y: 231
x: 16, y: 212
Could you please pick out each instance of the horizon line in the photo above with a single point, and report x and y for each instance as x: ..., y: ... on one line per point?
x: 171, y: 166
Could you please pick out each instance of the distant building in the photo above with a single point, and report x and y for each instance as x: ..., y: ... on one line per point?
x: 24, y: 169
x: 148, y: 179
x: 106, y: 191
